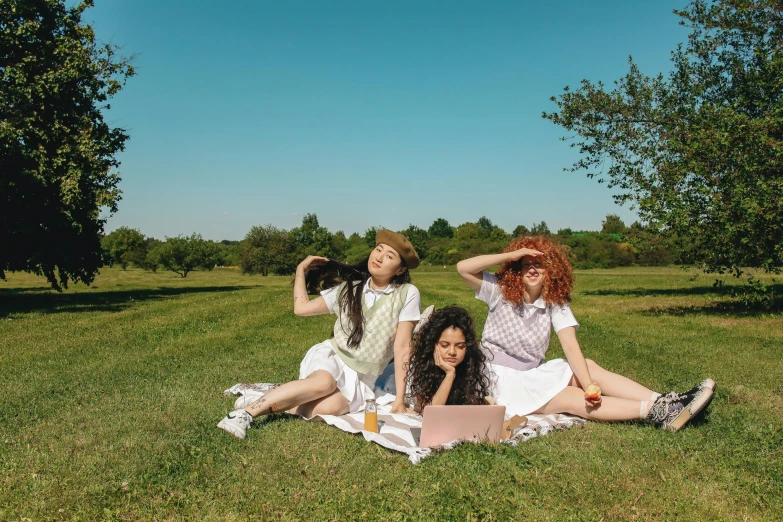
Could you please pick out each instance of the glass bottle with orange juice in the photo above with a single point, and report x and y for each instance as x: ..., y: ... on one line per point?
x: 371, y: 416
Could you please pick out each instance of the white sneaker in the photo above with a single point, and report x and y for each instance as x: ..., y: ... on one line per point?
x: 425, y: 315
x: 247, y: 399
x: 236, y: 423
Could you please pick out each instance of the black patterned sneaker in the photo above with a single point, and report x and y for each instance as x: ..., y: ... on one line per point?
x: 236, y: 423
x: 673, y: 410
x: 706, y: 384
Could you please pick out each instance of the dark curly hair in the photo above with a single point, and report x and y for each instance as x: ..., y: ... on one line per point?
x: 471, y: 384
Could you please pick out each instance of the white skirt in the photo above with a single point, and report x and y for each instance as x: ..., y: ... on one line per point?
x: 523, y: 392
x: 355, y: 387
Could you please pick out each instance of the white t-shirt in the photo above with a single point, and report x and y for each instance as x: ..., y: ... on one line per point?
x: 411, y: 310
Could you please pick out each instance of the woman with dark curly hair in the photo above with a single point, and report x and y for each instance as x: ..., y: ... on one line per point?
x: 527, y: 298
x: 447, y: 365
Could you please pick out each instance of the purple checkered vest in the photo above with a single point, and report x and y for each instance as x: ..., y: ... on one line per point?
x: 517, y: 337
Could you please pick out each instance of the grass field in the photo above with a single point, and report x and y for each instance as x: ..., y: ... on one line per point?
x: 111, y: 393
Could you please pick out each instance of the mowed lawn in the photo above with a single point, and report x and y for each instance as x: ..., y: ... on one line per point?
x: 109, y: 397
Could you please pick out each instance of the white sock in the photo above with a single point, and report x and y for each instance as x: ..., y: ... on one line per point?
x: 654, y: 396
x: 643, y: 410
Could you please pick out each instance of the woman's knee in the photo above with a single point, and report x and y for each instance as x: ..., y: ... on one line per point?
x: 334, y: 404
x: 322, y: 382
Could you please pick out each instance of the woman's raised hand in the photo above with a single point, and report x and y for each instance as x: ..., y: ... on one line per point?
x: 311, y: 263
x: 516, y: 255
x: 440, y: 363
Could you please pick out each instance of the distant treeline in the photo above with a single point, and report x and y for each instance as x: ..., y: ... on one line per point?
x: 267, y: 249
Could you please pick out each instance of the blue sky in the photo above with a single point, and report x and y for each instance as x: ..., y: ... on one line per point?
x: 365, y: 113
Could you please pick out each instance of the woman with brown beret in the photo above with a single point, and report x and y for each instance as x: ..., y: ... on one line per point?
x: 376, y: 308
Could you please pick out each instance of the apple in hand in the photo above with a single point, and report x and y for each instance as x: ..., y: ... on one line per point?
x: 593, y: 392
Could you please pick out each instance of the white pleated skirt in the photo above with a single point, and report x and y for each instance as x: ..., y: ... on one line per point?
x: 523, y: 392
x: 355, y: 387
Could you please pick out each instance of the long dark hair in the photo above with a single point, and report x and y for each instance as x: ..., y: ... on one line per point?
x: 471, y: 384
x: 333, y: 273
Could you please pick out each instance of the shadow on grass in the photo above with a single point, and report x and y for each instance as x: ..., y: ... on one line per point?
x: 651, y: 292
x: 27, y: 300
x: 735, y: 300
x: 730, y: 308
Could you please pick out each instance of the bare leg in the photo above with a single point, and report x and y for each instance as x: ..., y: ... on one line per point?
x: 572, y: 400
x: 317, y: 385
x: 614, y: 385
x: 333, y: 404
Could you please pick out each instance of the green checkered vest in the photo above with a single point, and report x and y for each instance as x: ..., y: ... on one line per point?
x: 380, y: 327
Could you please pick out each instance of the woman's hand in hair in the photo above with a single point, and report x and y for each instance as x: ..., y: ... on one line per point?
x: 311, y: 263
x: 516, y: 255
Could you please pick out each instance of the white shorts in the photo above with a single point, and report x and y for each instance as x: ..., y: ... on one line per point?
x: 523, y: 392
x: 355, y: 387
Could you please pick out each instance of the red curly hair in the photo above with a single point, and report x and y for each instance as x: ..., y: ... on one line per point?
x: 558, y: 275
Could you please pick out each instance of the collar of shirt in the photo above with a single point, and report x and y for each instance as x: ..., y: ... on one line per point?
x: 368, y: 289
x: 538, y: 303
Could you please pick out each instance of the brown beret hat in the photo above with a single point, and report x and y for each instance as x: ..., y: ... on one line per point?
x: 399, y: 243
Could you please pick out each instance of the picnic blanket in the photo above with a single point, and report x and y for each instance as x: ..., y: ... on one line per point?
x: 400, y: 432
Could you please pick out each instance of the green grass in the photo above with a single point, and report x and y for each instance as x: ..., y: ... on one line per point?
x: 111, y: 393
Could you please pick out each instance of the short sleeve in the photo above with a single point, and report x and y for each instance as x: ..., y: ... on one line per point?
x: 562, y: 317
x: 489, y: 291
x: 411, y: 310
x: 330, y: 297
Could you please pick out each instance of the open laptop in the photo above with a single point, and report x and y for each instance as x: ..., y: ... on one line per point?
x: 443, y: 424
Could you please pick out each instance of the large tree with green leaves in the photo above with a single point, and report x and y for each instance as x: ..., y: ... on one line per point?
x: 183, y: 254
x: 122, y: 245
x: 57, y: 153
x: 311, y: 238
x: 418, y: 238
x: 699, y: 152
x: 268, y: 249
x: 440, y: 229
x: 613, y: 225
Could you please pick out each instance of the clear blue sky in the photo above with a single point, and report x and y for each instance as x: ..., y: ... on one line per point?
x: 366, y: 113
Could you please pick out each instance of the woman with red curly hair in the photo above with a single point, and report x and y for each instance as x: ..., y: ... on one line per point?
x: 527, y: 298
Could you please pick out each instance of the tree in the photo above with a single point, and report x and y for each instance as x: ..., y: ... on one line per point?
x: 339, y: 244
x: 184, y: 254
x: 520, y: 230
x: 498, y: 234
x: 144, y: 257
x: 467, y: 232
x: 311, y: 238
x: 613, y: 225
x: 121, y: 245
x: 564, y: 232
x: 228, y: 253
x: 440, y: 229
x: 369, y: 235
x: 700, y: 152
x: 485, y: 227
x: 357, y: 248
x: 540, y: 229
x: 267, y: 249
x: 57, y: 153
x: 418, y: 238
